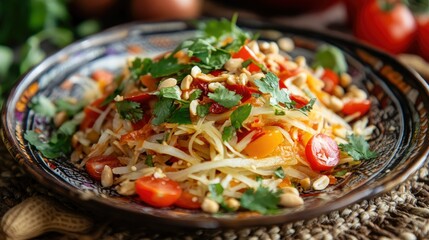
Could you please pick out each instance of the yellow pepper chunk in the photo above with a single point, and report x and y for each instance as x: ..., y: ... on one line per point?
x: 264, y: 145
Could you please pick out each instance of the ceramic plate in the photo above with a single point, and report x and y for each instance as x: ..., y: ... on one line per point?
x: 400, y: 104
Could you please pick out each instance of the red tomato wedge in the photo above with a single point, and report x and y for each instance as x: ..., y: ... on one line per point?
x: 299, y: 100
x: 188, y: 201
x: 245, y: 53
x: 95, y: 165
x: 91, y: 115
x: 158, y: 192
x: 356, y: 106
x: 331, y: 80
x: 322, y: 152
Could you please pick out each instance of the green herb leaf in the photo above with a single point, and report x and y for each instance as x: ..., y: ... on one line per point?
x: 270, y: 85
x: 166, y: 67
x: 181, y: 116
x: 203, y: 110
x: 225, y: 97
x: 228, y: 133
x: 340, y: 173
x: 195, y: 94
x: 112, y: 96
x: 240, y: 115
x: 357, y: 148
x: 171, y: 92
x: 59, y: 143
x: 162, y: 111
x: 279, y: 173
x: 43, y: 106
x: 216, y: 191
x: 129, y: 110
x: 140, y: 67
x: 149, y: 161
x: 328, y: 56
x: 309, y: 106
x: 262, y: 200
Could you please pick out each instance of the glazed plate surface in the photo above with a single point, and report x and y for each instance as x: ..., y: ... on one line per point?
x: 400, y: 105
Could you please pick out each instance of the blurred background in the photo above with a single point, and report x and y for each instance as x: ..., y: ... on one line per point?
x: 30, y: 30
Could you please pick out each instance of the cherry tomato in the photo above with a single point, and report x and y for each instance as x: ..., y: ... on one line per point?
x: 244, y: 91
x: 158, y: 192
x: 354, y: 106
x: 217, y: 108
x: 95, y: 165
x: 331, y: 80
x: 423, y: 37
x: 299, y: 100
x: 165, y: 10
x: 188, y: 201
x: 245, y: 53
x: 392, y: 30
x: 322, y: 152
x: 91, y: 115
x: 265, y: 144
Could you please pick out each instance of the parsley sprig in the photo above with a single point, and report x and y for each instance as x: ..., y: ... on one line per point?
x: 358, y: 148
x: 129, y: 110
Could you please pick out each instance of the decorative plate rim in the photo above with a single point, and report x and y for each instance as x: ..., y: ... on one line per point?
x: 384, y: 184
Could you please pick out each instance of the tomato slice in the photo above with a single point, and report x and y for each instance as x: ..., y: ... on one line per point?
x: 139, y: 134
x: 141, y: 98
x: 265, y: 144
x: 245, y: 53
x: 95, y: 165
x: 158, y: 192
x: 356, y: 106
x: 331, y: 80
x: 188, y: 201
x: 299, y: 100
x: 244, y: 91
x: 91, y: 115
x: 322, y: 152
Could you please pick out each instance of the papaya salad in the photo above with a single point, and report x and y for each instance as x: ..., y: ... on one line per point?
x: 224, y: 122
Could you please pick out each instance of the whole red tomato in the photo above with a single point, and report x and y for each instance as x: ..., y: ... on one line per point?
x: 390, y: 29
x: 423, y: 36
x: 353, y: 7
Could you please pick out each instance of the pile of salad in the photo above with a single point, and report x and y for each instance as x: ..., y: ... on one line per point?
x: 224, y: 122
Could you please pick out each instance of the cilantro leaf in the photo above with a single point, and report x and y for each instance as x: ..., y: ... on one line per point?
x: 309, y: 106
x: 270, y: 85
x: 129, y: 110
x: 163, y: 109
x: 203, y: 110
x: 328, y: 56
x: 181, y: 116
x: 166, y: 67
x: 357, y: 148
x: 149, y: 161
x: 225, y: 97
x: 239, y: 115
x: 262, y: 200
x: 59, y: 144
x: 216, y: 191
x: 43, y: 106
x: 171, y: 92
x: 140, y: 67
x: 195, y: 94
x: 112, y: 96
x: 227, y: 133
x: 279, y: 172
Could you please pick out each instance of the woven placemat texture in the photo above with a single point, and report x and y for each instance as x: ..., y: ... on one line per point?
x: 400, y: 214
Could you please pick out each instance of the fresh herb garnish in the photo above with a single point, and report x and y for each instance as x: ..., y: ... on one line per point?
x: 129, y: 110
x: 171, y: 92
x: 237, y: 118
x: 203, y: 110
x: 181, y: 116
x: 140, y: 67
x: 270, y: 85
x: 309, y: 106
x: 59, y: 143
x: 43, y: 106
x: 149, y: 161
x: 262, y: 200
x: 328, y: 56
x: 216, y: 194
x: 357, y: 148
x: 163, y: 109
x: 225, y: 97
x: 279, y: 173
